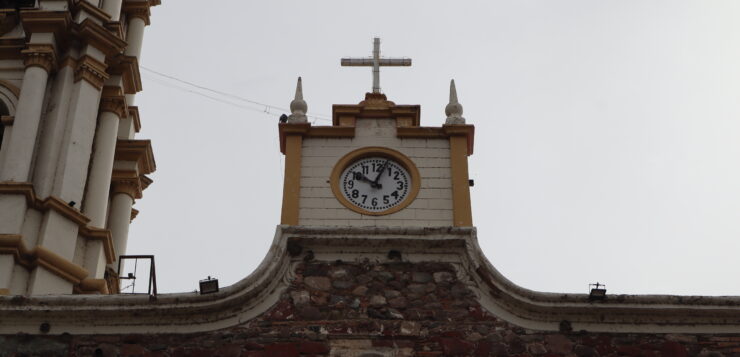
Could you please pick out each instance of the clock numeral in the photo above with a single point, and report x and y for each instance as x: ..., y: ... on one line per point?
x: 365, y: 169
x: 386, y: 200
x: 400, y: 185
x: 351, y: 184
x: 395, y: 175
x: 374, y: 201
x: 355, y: 193
x: 395, y: 194
x: 389, y: 171
x: 364, y: 198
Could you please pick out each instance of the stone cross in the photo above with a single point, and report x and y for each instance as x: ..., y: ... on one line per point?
x: 375, y: 61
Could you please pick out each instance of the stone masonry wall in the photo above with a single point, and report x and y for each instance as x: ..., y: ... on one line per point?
x: 374, y: 309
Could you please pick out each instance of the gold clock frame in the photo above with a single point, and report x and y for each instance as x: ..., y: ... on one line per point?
x: 377, y: 151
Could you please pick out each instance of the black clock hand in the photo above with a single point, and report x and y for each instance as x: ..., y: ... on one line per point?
x: 382, y: 169
x: 361, y: 177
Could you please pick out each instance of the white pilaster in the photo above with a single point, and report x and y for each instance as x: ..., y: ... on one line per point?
x: 53, y: 131
x: 21, y: 142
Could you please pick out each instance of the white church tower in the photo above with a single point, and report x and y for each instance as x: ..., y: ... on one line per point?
x: 70, y: 165
x: 376, y: 166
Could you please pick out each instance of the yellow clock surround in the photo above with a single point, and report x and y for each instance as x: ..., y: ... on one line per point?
x: 375, y: 151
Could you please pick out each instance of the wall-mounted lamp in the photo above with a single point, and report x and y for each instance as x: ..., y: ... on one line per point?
x: 208, y: 286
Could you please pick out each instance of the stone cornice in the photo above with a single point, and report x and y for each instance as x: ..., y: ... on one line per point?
x: 92, y: 71
x: 43, y: 56
x: 128, y: 68
x: 139, y: 151
x: 40, y: 256
x: 375, y: 106
x: 52, y: 203
x: 112, y: 100
x: 257, y: 293
x: 116, y: 27
x: 140, y: 9
x: 101, y: 38
x: 133, y: 112
x: 57, y: 22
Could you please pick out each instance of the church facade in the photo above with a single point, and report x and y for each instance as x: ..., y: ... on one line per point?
x: 376, y: 253
x: 70, y: 165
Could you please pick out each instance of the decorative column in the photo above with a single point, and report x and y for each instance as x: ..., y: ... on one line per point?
x: 112, y: 109
x: 39, y: 61
x: 125, y: 188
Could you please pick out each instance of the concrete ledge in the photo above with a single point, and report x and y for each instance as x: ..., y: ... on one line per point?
x: 248, y: 298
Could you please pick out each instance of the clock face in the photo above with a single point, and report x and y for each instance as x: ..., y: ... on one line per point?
x: 375, y: 184
x: 375, y: 181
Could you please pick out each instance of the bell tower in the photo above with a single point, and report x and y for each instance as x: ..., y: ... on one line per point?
x: 70, y: 164
x: 376, y: 165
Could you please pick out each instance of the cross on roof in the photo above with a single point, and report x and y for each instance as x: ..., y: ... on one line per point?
x: 375, y: 61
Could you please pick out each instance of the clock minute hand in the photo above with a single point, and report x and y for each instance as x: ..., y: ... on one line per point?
x: 382, y: 169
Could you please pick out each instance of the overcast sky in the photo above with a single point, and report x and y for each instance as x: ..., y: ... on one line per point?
x: 607, y: 132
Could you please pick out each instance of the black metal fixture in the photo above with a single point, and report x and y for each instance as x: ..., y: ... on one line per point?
x: 208, y: 286
x: 597, y: 291
x: 471, y: 182
x: 152, y: 281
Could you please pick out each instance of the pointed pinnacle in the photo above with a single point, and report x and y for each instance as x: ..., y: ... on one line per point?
x: 453, y: 92
x: 299, y: 90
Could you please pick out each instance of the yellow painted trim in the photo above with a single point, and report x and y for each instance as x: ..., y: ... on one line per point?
x: 361, y: 153
x: 57, y: 205
x: 60, y: 266
x: 92, y: 286
x: 40, y: 256
x: 461, y: 210
x: 292, y: 182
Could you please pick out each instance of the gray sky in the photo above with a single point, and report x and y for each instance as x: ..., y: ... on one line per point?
x: 607, y: 132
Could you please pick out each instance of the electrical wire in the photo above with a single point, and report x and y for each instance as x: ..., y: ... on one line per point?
x: 261, y: 105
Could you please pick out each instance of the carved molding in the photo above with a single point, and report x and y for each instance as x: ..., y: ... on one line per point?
x: 101, y: 38
x: 139, y: 151
x: 92, y: 71
x: 112, y: 100
x: 52, y: 203
x: 126, y: 182
x: 133, y: 112
x: 128, y: 68
x: 42, y: 56
x: 140, y: 9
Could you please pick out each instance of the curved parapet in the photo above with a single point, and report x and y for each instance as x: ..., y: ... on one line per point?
x: 283, y: 269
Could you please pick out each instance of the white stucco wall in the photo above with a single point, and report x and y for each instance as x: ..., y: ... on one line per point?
x: 432, y: 206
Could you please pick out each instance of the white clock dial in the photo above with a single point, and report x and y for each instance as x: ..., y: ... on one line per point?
x: 375, y: 184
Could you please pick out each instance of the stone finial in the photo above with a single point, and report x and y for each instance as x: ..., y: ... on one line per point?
x: 298, y: 106
x: 454, y: 109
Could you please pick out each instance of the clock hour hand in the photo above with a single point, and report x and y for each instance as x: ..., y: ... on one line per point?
x: 360, y: 176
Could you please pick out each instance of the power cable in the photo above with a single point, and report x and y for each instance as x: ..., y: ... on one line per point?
x: 233, y: 96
